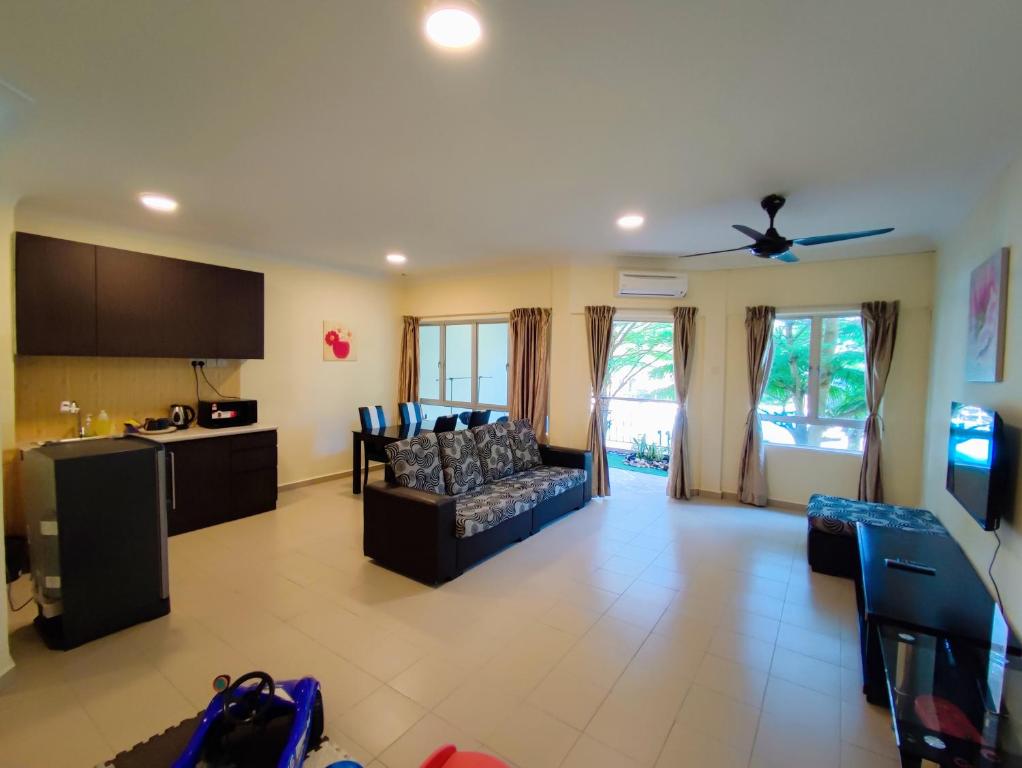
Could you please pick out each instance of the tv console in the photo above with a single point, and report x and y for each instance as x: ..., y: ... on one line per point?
x: 936, y: 650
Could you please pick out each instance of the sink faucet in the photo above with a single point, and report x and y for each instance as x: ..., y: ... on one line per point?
x: 71, y: 406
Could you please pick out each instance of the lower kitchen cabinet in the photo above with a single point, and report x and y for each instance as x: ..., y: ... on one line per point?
x: 216, y: 479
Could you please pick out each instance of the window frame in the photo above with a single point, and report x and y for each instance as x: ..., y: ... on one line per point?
x: 474, y: 404
x: 812, y: 418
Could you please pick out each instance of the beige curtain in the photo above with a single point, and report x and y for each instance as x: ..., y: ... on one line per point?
x: 529, y: 331
x: 599, y: 323
x: 759, y: 332
x: 880, y: 326
x: 679, y: 479
x: 408, y: 377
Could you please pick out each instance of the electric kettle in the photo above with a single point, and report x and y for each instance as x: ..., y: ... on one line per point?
x: 181, y: 416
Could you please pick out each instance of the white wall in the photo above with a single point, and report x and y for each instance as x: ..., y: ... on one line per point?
x: 996, y: 223
x: 719, y: 401
x: 313, y: 403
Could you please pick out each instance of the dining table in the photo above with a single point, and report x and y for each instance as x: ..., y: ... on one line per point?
x: 371, y: 443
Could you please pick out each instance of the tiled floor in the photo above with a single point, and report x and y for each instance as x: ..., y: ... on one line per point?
x: 636, y: 632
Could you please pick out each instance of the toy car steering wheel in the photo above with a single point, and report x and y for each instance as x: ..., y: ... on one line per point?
x: 245, y: 706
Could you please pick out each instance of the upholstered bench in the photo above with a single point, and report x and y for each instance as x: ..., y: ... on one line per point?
x: 832, y: 519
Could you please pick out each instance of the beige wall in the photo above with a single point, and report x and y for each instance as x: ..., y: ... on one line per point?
x: 996, y: 223
x: 312, y: 402
x: 719, y: 400
x: 6, y: 383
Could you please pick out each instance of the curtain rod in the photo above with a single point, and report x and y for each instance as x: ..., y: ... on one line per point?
x: 465, y: 315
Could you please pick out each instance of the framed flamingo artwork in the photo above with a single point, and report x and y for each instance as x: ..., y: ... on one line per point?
x: 338, y: 342
x: 988, y: 302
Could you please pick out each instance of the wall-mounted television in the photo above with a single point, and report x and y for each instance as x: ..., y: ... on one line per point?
x: 975, y: 463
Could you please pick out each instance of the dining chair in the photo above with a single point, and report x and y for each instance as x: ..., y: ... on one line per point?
x: 372, y: 417
x: 445, y: 424
x: 478, y: 418
x: 502, y: 418
x: 410, y: 413
x: 464, y: 416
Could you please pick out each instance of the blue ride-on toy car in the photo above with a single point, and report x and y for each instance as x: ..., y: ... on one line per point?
x: 254, y: 722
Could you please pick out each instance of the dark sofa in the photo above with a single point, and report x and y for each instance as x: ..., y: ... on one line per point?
x: 420, y: 534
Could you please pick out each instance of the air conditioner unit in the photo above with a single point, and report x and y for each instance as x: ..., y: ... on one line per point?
x: 660, y: 285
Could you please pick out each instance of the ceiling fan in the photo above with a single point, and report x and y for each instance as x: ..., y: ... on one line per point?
x: 773, y: 245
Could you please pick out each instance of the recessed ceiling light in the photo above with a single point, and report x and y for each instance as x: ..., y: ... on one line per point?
x: 396, y: 258
x: 631, y: 221
x: 453, y: 24
x: 157, y: 202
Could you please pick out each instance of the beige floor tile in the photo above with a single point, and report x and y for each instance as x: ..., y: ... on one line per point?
x: 628, y: 722
x: 477, y: 707
x: 429, y: 681
x: 806, y: 671
x: 784, y: 743
x: 744, y: 649
x: 380, y: 720
x: 869, y: 727
x: 569, y: 699
x: 815, y: 711
x: 733, y: 680
x: 589, y: 753
x: 856, y: 757
x: 686, y: 748
x: 49, y: 729
x: 720, y: 718
x: 531, y: 738
x: 571, y: 618
x: 818, y: 645
x: 419, y: 742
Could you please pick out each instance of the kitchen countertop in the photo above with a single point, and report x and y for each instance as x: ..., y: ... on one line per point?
x: 196, y: 432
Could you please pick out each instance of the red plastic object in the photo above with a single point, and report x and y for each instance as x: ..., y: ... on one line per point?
x: 448, y: 756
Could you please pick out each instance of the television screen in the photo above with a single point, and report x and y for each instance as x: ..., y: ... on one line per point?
x: 974, y: 474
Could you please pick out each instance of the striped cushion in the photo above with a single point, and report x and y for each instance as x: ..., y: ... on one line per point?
x: 411, y: 413
x: 372, y: 417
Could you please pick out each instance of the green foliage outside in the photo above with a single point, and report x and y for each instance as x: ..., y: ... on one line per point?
x: 641, y: 355
x: 842, y: 369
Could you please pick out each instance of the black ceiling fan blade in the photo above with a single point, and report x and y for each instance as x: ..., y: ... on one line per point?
x: 821, y: 239
x: 749, y: 231
x: 787, y: 257
x: 710, y: 253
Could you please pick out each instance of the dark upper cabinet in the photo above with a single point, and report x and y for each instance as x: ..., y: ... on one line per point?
x: 79, y: 299
x: 150, y: 306
x: 55, y: 296
x: 239, y: 320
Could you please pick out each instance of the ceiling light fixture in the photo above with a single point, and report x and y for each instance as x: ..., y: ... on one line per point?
x: 157, y: 202
x: 396, y: 258
x: 631, y: 221
x: 453, y: 24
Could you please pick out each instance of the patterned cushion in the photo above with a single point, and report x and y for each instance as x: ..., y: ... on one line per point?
x: 494, y: 444
x: 459, y: 458
x: 832, y: 514
x: 546, y: 481
x: 416, y: 463
x: 490, y: 505
x: 524, y: 447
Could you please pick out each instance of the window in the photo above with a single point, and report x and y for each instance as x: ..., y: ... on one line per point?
x: 816, y: 393
x: 463, y: 365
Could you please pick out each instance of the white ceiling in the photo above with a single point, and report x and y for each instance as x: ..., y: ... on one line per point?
x: 328, y: 129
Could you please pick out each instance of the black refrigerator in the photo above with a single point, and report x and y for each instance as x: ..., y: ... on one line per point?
x: 97, y: 520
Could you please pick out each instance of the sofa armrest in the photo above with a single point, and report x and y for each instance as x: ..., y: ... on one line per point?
x: 410, y: 531
x: 574, y: 458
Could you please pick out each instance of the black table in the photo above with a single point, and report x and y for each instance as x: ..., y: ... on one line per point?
x: 949, y: 612
x: 373, y: 441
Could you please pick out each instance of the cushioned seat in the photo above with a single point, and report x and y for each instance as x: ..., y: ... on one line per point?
x: 548, y: 481
x: 831, y: 547
x: 489, y: 505
x: 832, y: 514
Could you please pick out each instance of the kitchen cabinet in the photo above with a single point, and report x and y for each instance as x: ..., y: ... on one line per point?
x: 149, y: 306
x: 55, y: 310
x: 216, y: 479
x: 80, y: 299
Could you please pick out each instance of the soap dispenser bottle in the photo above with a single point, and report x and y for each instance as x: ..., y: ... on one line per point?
x: 102, y: 424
